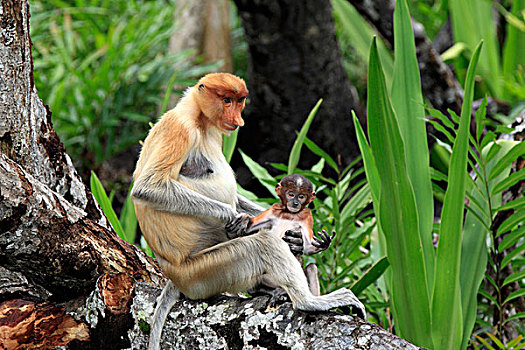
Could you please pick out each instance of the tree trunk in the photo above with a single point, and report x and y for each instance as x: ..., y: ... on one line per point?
x: 203, y: 26
x: 67, y: 280
x: 294, y: 61
x: 55, y: 243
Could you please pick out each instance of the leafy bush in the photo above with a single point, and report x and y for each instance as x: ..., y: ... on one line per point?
x: 103, y: 69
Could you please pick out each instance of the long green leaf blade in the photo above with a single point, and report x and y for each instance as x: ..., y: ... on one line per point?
x: 295, y: 154
x: 370, y: 276
x: 128, y: 219
x: 447, y: 318
x: 102, y: 199
x: 397, y: 212
x: 407, y: 101
x: 228, y: 144
x: 473, y: 245
x: 353, y: 28
x: 472, y: 21
x: 259, y: 172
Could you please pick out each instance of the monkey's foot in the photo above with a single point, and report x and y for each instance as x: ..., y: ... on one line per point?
x: 278, y: 297
x: 337, y: 299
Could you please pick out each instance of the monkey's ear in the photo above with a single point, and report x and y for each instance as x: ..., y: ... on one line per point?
x: 312, y: 197
x: 278, y: 188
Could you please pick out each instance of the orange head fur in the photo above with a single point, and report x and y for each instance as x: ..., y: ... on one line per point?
x: 221, y: 98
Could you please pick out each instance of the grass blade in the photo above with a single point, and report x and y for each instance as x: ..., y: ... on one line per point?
x: 447, y: 317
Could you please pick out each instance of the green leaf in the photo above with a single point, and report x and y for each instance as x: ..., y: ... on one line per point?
x: 509, y: 157
x: 447, y: 316
x: 496, y: 341
x: 472, y: 21
x: 510, y: 222
x: 397, y: 212
x: 515, y: 277
x: 512, y: 238
x: 128, y: 219
x: 516, y: 316
x: 295, y: 154
x: 260, y: 173
x: 480, y: 117
x: 515, y: 204
x: 512, y: 254
x: 102, y: 199
x: 370, y: 276
x: 318, y: 151
x: 489, y: 297
x: 509, y: 181
x: 368, y: 160
x: 353, y: 28
x: 484, y: 342
x: 228, y: 144
x: 407, y: 101
x: 356, y: 203
x: 514, y: 43
x: 514, y: 295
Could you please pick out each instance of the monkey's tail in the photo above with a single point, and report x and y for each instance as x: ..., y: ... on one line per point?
x: 168, y: 297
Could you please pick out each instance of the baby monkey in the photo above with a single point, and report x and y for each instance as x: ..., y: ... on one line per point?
x: 292, y: 220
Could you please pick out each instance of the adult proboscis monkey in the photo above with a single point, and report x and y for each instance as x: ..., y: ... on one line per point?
x: 184, y: 194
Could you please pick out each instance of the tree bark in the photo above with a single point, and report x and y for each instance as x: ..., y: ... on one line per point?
x: 239, y: 323
x: 55, y: 243
x: 294, y: 61
x: 66, y: 279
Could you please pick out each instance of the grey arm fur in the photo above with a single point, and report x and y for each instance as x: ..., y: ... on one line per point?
x: 175, y: 198
x: 244, y: 205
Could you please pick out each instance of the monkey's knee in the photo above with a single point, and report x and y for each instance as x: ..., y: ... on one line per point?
x: 311, y: 269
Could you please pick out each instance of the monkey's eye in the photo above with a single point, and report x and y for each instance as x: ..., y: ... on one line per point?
x: 290, y: 194
x: 227, y: 100
x: 302, y: 197
x: 241, y: 100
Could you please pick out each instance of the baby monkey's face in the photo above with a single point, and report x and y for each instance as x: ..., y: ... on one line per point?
x: 295, y: 201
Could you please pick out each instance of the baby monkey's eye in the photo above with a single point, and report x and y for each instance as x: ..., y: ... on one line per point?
x: 227, y: 100
x: 242, y: 99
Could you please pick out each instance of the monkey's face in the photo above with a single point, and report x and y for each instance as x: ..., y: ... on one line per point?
x: 232, y: 106
x: 295, y: 201
x: 222, y: 97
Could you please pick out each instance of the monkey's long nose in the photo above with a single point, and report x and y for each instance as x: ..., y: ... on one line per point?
x: 238, y: 121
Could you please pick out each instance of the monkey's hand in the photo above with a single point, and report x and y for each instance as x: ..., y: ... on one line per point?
x: 321, y: 242
x: 238, y: 226
x: 295, y: 241
x: 263, y: 225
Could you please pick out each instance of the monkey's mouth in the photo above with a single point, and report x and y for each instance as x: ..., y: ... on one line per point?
x: 230, y: 127
x: 293, y: 208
